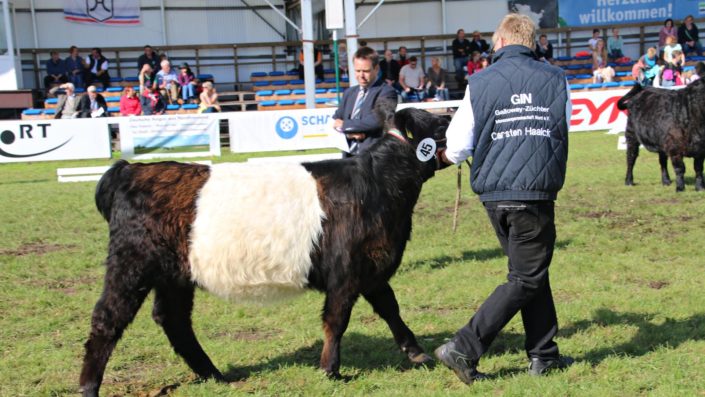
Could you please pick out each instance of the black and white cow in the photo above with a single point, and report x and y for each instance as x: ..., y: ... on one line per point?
x: 247, y: 232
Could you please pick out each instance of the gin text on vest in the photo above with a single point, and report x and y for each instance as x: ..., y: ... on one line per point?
x: 521, y: 99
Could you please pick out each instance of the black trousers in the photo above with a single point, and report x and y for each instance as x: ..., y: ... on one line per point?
x: 91, y: 78
x: 527, y: 234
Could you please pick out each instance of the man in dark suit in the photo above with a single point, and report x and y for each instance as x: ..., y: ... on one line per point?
x: 355, y: 116
x: 91, y: 103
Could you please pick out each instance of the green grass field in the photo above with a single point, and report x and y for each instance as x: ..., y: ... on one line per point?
x: 627, y: 278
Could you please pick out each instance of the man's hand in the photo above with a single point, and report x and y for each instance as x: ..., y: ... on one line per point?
x: 338, y: 124
x: 357, y: 136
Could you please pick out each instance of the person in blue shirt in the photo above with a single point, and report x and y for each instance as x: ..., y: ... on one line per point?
x: 56, y: 71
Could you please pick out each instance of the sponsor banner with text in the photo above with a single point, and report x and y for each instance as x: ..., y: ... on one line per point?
x: 165, y: 136
x: 615, y: 12
x: 284, y: 130
x: 46, y: 140
x: 596, y: 110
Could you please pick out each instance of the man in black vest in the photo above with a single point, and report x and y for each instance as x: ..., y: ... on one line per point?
x: 97, y: 68
x: 514, y: 123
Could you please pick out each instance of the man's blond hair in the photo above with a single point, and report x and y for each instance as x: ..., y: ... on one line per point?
x: 516, y: 29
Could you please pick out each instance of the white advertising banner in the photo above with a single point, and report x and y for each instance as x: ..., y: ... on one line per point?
x: 45, y: 140
x: 596, y: 110
x: 166, y: 136
x: 284, y: 130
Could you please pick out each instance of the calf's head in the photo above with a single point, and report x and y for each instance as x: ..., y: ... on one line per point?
x: 425, y: 132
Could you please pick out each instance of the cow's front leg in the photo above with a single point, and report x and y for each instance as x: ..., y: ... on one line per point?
x: 336, y: 316
x: 663, y: 162
x: 385, y: 304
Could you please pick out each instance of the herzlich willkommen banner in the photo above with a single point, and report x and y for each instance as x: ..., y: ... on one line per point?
x: 107, y: 12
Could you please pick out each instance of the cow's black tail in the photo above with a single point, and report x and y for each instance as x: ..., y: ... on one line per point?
x: 623, y: 102
x: 108, y: 184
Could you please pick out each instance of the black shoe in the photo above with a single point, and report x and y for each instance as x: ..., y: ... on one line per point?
x: 539, y: 367
x: 464, y: 367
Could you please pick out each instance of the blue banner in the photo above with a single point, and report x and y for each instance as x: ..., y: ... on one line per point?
x: 617, y: 12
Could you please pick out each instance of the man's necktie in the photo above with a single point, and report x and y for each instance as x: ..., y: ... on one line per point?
x: 361, y: 95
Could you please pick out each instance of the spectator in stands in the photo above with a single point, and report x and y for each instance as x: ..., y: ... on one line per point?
x: 673, y: 52
x: 544, y: 49
x: 151, y: 100
x: 75, y: 67
x: 461, y: 51
x: 187, y: 81
x: 412, y: 81
x: 168, y: 82
x: 389, y: 70
x: 92, y: 104
x: 403, y: 61
x: 689, y: 37
x: 436, y: 86
x: 317, y: 64
x: 666, y: 30
x: 355, y: 116
x: 97, y: 68
x: 601, y: 72
x: 147, y: 77
x: 67, y: 106
x: 646, y: 68
x: 475, y: 63
x: 671, y: 73
x: 478, y: 44
x: 130, y: 103
x: 209, y: 99
x: 149, y: 57
x: 615, y: 44
x: 56, y: 71
x: 698, y: 73
x: 592, y: 43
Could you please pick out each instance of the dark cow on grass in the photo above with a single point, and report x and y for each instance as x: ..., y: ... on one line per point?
x: 670, y: 122
x: 248, y: 232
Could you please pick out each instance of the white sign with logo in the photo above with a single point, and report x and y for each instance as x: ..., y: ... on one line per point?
x: 44, y: 140
x: 596, y: 110
x: 284, y: 130
x: 165, y: 136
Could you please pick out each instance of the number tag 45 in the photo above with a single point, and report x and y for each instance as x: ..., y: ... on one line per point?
x: 426, y: 150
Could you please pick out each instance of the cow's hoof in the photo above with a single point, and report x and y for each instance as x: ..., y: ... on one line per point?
x: 420, y: 358
x: 333, y: 375
x: 628, y: 183
x: 680, y: 189
x: 666, y: 182
x: 699, y: 188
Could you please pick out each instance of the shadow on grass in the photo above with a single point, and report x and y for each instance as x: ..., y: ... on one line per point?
x: 650, y: 337
x: 477, y: 255
x: 359, y: 351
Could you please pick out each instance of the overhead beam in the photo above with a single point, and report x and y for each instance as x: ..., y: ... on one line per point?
x: 280, y: 34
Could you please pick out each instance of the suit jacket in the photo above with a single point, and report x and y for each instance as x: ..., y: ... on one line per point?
x: 367, y: 122
x: 62, y: 104
x: 84, y: 106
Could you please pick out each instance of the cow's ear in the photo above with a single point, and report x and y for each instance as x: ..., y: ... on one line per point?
x: 385, y: 108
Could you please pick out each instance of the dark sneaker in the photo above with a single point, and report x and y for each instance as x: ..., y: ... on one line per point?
x: 539, y: 366
x: 464, y: 367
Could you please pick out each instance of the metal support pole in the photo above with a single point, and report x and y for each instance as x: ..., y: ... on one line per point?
x: 281, y: 14
x: 34, y: 24
x: 336, y: 64
x: 351, y: 38
x: 370, y: 14
x: 444, y: 26
x: 309, y: 75
x: 163, y: 15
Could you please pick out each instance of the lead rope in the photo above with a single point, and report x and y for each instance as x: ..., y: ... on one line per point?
x: 457, y: 195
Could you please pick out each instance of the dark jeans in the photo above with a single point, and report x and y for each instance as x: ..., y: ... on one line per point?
x: 49, y: 80
x: 320, y: 72
x: 527, y: 234
x: 91, y: 78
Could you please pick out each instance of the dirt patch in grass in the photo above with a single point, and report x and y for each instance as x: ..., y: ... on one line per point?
x: 250, y: 334
x: 658, y: 284
x: 609, y: 214
x: 39, y: 248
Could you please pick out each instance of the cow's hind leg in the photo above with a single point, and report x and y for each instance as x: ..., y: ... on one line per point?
x: 336, y: 316
x: 123, y: 294
x: 663, y: 162
x: 632, y: 154
x: 679, y: 169
x: 385, y: 304
x: 698, y: 165
x: 173, y: 304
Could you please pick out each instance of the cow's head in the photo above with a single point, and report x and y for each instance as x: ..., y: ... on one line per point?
x: 424, y: 131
